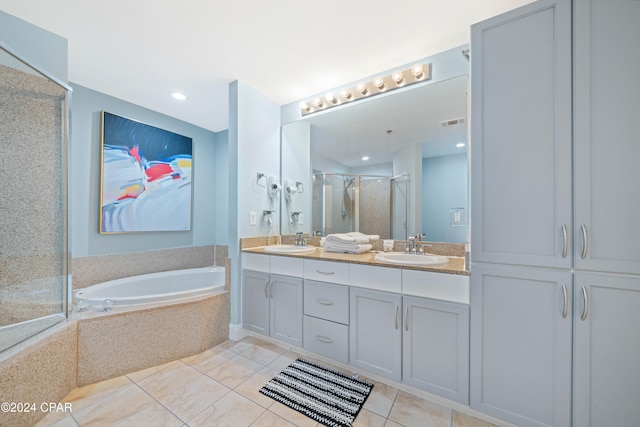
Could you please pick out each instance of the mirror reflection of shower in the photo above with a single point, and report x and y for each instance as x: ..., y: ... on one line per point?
x: 344, y: 202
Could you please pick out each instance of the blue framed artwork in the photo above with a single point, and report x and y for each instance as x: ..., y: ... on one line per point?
x: 145, y: 177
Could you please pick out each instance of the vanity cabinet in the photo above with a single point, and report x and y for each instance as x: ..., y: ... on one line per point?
x: 549, y: 213
x: 435, y: 347
x: 375, y: 332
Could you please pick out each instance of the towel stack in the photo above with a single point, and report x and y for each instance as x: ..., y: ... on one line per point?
x: 350, y: 243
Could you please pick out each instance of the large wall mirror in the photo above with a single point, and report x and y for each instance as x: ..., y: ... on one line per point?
x: 394, y: 166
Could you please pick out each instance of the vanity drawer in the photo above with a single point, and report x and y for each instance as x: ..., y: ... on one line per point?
x: 326, y: 271
x: 326, y: 338
x: 326, y: 301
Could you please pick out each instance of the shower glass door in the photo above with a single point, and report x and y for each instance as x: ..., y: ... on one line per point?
x: 33, y: 200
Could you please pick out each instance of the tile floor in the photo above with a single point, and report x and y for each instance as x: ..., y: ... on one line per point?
x: 220, y: 388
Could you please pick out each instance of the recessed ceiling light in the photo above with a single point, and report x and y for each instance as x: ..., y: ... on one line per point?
x: 179, y: 96
x: 460, y: 144
x: 365, y: 158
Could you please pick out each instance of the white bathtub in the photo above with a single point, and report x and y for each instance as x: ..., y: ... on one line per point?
x: 161, y: 287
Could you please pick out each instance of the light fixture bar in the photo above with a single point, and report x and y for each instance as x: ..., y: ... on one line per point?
x: 416, y: 74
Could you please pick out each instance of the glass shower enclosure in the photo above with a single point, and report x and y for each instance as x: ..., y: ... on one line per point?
x: 370, y: 204
x: 34, y: 251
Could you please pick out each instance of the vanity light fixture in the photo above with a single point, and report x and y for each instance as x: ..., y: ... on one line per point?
x: 396, y: 80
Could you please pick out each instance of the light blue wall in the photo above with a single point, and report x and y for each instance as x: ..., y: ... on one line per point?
x: 85, y: 175
x: 42, y: 49
x: 254, y: 146
x: 444, y: 186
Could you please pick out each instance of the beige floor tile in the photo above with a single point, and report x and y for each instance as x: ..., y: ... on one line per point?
x: 232, y: 410
x: 67, y: 421
x: 251, y: 387
x: 88, y: 395
x: 284, y: 360
x: 155, y: 415
x: 381, y: 398
x: 115, y: 408
x: 411, y: 411
x: 294, y: 417
x: 243, y: 344
x: 165, y: 381
x: 390, y: 423
x: 235, y: 371
x: 189, y: 400
x: 263, y: 353
x: 369, y: 419
x: 463, y: 420
x: 210, y: 359
x: 269, y: 419
x: 142, y: 374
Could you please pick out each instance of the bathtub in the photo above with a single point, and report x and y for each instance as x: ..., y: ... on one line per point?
x: 164, y: 287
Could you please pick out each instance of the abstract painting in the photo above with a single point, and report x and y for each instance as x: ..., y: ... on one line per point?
x: 146, y: 178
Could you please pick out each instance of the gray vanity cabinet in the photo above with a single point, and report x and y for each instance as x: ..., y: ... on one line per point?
x: 521, y: 326
x: 435, y: 346
x: 272, y: 305
x: 375, y: 332
x: 606, y: 350
x: 521, y: 135
x: 607, y: 125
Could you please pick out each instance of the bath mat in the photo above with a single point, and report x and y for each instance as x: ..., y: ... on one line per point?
x: 326, y: 396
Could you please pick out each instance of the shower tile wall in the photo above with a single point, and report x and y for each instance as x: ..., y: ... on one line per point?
x: 32, y: 221
x: 375, y: 207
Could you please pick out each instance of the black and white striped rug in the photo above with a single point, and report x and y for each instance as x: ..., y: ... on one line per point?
x: 328, y: 397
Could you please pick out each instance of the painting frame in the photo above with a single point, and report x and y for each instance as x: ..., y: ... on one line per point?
x: 146, y: 175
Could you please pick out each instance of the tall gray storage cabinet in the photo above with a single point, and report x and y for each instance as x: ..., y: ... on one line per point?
x: 555, y: 269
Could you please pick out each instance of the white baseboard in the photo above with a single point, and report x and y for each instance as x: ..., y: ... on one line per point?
x: 236, y: 333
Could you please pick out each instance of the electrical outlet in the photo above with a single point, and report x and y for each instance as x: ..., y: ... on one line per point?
x: 253, y: 220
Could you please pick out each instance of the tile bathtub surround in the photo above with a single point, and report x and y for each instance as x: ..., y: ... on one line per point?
x: 219, y: 387
x: 88, y: 271
x: 119, y: 343
x: 42, y: 372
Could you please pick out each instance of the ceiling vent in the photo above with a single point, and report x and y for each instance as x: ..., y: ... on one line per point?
x: 452, y: 122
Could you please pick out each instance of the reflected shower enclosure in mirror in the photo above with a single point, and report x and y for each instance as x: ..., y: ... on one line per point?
x: 33, y: 195
x: 419, y: 134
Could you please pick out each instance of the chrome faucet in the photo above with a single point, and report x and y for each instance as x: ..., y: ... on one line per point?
x: 414, y: 247
x: 299, y: 239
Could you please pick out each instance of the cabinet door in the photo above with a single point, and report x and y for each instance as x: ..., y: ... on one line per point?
x: 255, y: 305
x: 375, y: 335
x: 607, y: 350
x: 285, y: 294
x: 521, y: 344
x: 607, y: 125
x: 435, y: 347
x: 521, y: 193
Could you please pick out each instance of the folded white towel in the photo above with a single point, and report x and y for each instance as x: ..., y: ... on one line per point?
x: 346, y: 238
x: 349, y: 249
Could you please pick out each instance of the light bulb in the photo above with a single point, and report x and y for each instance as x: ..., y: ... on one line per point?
x: 397, y: 78
x: 417, y: 71
x: 330, y: 98
x: 379, y: 83
x: 305, y: 107
x: 318, y: 103
x: 346, y: 94
x: 362, y: 88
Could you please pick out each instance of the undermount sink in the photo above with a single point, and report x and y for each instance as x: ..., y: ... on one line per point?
x: 289, y: 249
x: 400, y: 258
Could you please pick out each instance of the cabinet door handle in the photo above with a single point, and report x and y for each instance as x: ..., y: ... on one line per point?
x: 324, y: 301
x: 566, y: 241
x: 324, y: 339
x: 565, y: 309
x: 266, y: 287
x: 406, y: 318
x: 585, y: 241
x: 396, y: 316
x: 271, y: 289
x: 585, y: 298
x: 326, y: 272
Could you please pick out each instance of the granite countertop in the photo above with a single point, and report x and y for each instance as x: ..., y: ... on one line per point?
x: 456, y: 264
